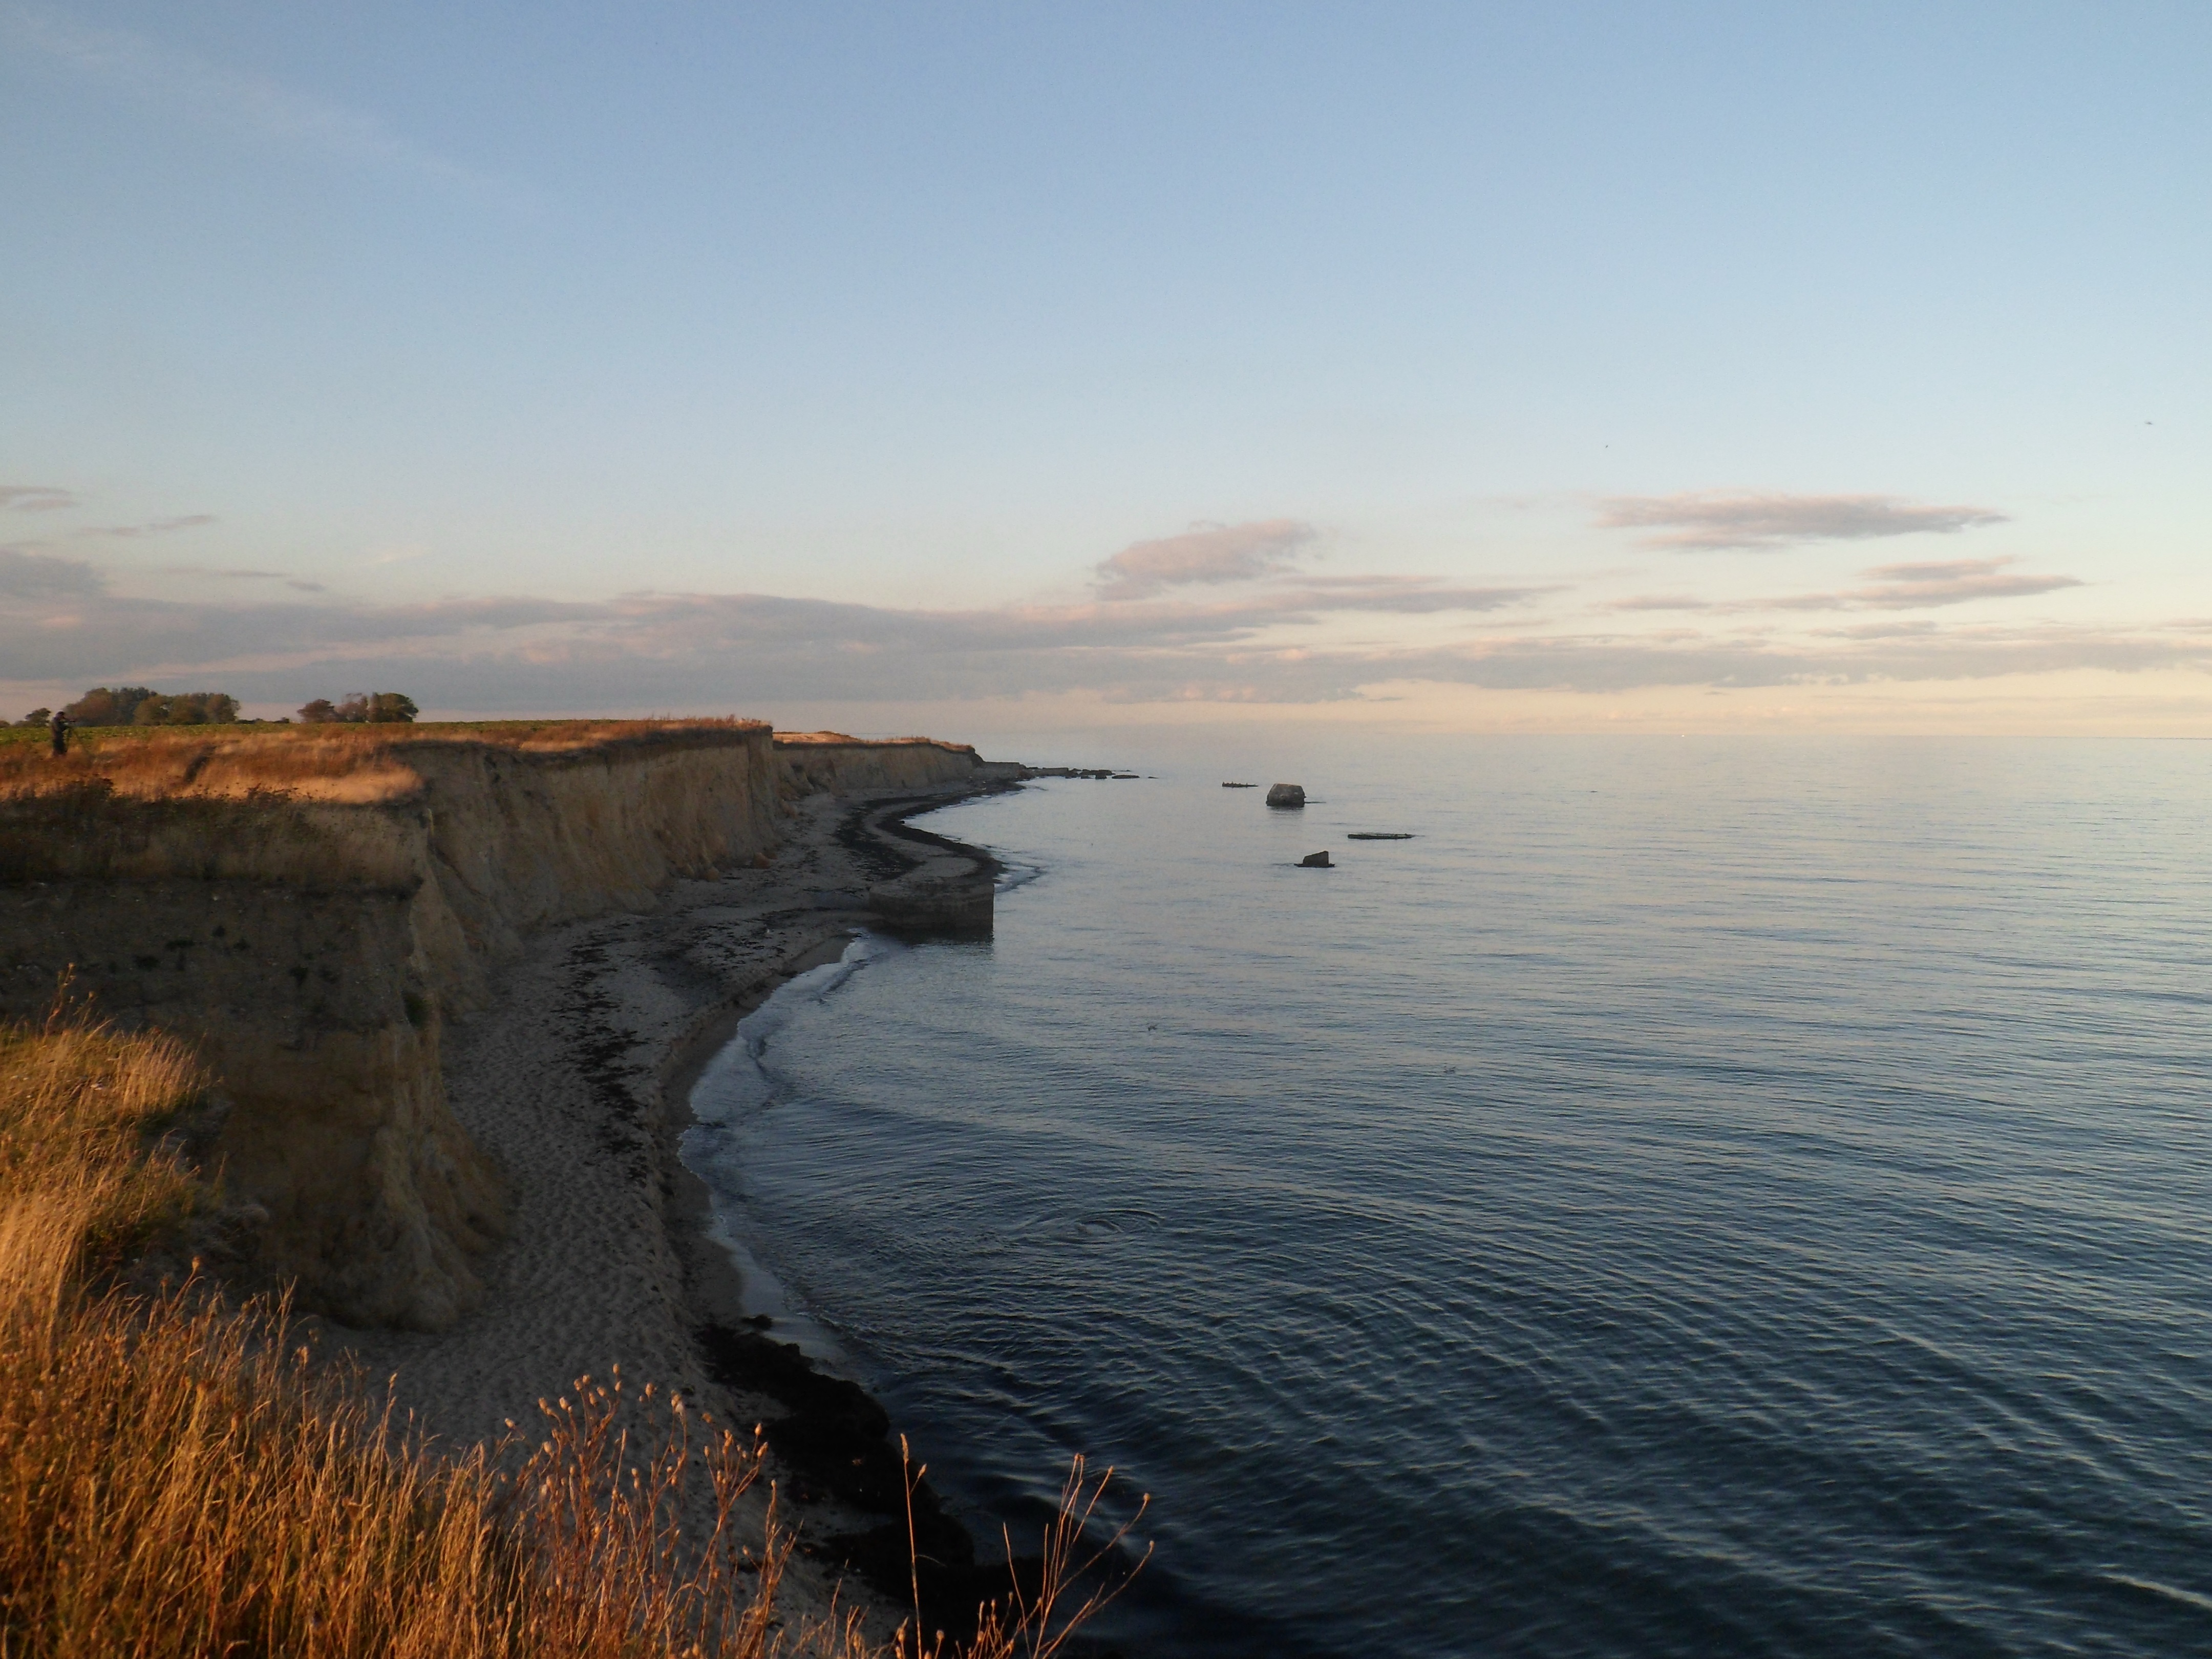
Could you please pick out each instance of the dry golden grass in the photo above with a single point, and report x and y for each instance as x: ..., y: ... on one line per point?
x: 78, y: 1103
x: 830, y: 739
x: 176, y: 1481
x: 236, y: 761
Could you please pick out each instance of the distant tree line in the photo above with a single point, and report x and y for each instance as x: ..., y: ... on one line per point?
x: 139, y: 705
x: 361, y: 708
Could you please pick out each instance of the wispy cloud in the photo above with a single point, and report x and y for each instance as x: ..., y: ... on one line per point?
x: 1660, y: 601
x: 289, y: 580
x: 708, y: 650
x: 1707, y: 520
x: 1256, y: 641
x: 1205, y: 553
x: 158, y: 527
x: 1404, y: 596
x: 26, y: 575
x: 1889, y: 588
x: 1920, y: 587
x: 255, y: 105
x: 1625, y: 662
x: 36, y: 498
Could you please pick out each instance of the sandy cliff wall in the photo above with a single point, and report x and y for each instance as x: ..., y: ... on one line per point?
x: 817, y: 760
x: 313, y: 947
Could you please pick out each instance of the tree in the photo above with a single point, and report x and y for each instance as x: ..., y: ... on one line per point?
x: 109, y: 706
x: 185, y: 709
x: 139, y: 705
x: 361, y: 707
x: 36, y: 717
x: 199, y: 709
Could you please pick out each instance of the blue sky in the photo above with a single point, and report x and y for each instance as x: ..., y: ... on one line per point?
x: 1473, y: 367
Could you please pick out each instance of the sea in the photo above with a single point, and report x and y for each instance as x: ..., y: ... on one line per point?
x: 1696, y: 1196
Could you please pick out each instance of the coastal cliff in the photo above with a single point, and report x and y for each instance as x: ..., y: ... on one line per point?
x: 830, y: 762
x: 310, y: 907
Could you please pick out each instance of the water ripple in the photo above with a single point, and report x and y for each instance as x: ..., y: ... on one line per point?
x: 1704, y: 1199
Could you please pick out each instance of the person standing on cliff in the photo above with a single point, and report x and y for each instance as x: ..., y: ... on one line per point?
x: 59, y: 726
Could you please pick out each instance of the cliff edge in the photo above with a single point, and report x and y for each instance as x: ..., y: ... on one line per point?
x: 311, y: 906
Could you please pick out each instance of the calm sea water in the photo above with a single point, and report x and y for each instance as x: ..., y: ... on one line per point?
x: 1699, y: 1197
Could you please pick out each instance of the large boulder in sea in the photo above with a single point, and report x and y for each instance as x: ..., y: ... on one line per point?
x: 1286, y: 794
x: 1315, y: 862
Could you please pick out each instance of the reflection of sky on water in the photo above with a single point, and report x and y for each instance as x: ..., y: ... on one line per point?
x: 1695, y: 1197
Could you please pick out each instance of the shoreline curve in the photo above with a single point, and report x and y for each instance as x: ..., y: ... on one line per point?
x: 576, y: 1079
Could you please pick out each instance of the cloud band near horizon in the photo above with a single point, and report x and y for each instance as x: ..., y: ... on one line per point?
x: 1248, y: 642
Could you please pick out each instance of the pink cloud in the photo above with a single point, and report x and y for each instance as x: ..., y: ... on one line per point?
x: 1705, y: 520
x: 1207, y: 553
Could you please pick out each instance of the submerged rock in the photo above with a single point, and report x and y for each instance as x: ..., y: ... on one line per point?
x: 1380, y: 834
x: 1287, y: 794
x: 1315, y: 862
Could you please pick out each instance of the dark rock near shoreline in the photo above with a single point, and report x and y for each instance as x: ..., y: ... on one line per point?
x: 833, y: 1441
x: 1315, y: 862
x: 932, y: 886
x: 1286, y: 794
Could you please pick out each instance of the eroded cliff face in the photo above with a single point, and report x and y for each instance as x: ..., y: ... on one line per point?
x: 817, y: 761
x: 314, y: 938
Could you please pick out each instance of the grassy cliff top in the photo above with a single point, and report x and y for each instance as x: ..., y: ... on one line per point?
x: 826, y: 739
x: 337, y: 762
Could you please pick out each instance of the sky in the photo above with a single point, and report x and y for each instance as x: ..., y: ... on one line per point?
x: 965, y: 368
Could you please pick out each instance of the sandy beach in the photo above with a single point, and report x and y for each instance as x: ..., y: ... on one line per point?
x: 575, y: 1082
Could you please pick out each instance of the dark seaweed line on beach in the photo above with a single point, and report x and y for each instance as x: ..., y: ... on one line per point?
x: 885, y: 818
x: 834, y: 1439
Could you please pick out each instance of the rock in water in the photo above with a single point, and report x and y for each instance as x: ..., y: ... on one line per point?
x: 1315, y: 862
x: 1287, y: 794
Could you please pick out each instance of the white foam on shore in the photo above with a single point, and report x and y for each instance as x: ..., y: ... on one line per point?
x: 1011, y: 875
x: 738, y: 1085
